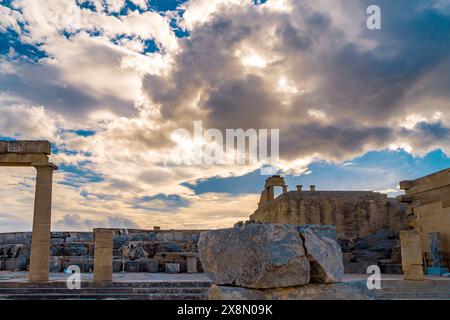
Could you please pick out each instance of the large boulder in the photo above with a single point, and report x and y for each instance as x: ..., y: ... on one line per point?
x: 324, y: 253
x: 355, y: 290
x: 255, y: 256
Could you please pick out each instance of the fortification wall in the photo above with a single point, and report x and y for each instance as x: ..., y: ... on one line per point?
x: 355, y: 214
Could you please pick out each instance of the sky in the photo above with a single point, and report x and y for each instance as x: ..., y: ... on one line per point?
x: 109, y: 81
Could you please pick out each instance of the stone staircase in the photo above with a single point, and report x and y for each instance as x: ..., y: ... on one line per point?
x: 414, y: 290
x: 160, y: 290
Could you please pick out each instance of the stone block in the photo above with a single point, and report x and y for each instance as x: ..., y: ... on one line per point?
x: 138, y: 236
x: 195, y: 237
x: 413, y: 272
x: 168, y: 236
x: 149, y: 265
x: 16, y: 264
x: 55, y: 264
x: 27, y: 146
x: 120, y: 239
x: 406, y: 184
x: 178, y: 236
x: 119, y: 264
x: 103, y: 259
x: 175, y: 257
x: 172, y: 268
x: 355, y: 290
x: 80, y: 237
x: 320, y: 230
x: 324, y: 253
x: 255, y: 256
x: 191, y: 265
x: 15, y: 238
x: 133, y: 266
x: 75, y: 249
x: 151, y: 236
x: 411, y: 248
x: 3, y: 146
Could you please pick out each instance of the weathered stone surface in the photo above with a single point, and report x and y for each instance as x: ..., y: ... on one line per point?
x: 55, y: 264
x: 175, y: 257
x: 133, y: 266
x: 127, y: 245
x: 328, y: 231
x: 75, y: 249
x: 355, y: 290
x: 15, y: 238
x: 255, y: 256
x: 411, y: 255
x: 119, y: 264
x: 172, y: 268
x: 80, y: 237
x: 149, y: 265
x: 26, y: 146
x: 324, y: 253
x: 16, y: 264
x: 191, y: 265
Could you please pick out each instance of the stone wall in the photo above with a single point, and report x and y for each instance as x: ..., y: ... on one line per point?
x: 428, y: 203
x: 367, y: 223
x: 133, y: 250
x: 355, y: 214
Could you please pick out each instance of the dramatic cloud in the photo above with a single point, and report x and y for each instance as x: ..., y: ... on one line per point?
x: 108, y: 81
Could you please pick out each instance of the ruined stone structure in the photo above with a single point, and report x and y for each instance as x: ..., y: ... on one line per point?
x: 35, y: 154
x: 428, y: 205
x: 412, y: 264
x: 103, y: 255
x: 133, y: 250
x: 364, y: 220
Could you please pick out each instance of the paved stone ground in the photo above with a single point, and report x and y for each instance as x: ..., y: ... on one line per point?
x: 21, y: 276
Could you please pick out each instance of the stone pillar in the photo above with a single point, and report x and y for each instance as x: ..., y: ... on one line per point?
x: 103, y: 256
x: 40, y: 240
x: 299, y: 188
x: 285, y: 190
x: 312, y: 188
x: 411, y: 248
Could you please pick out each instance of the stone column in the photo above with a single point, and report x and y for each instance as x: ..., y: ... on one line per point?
x: 411, y: 248
x: 285, y: 189
x: 40, y: 240
x: 103, y: 256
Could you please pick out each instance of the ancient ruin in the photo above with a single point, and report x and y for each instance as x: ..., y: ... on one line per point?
x: 367, y: 223
x: 35, y: 154
x: 298, y: 245
x: 276, y: 261
x: 428, y: 207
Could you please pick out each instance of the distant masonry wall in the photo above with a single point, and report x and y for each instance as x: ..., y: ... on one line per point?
x: 355, y: 214
x: 367, y: 223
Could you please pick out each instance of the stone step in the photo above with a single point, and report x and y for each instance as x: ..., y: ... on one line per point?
x: 110, y: 296
x: 169, y: 290
x: 419, y: 296
x: 148, y: 284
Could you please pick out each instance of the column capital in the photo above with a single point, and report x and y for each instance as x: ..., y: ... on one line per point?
x: 44, y: 164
